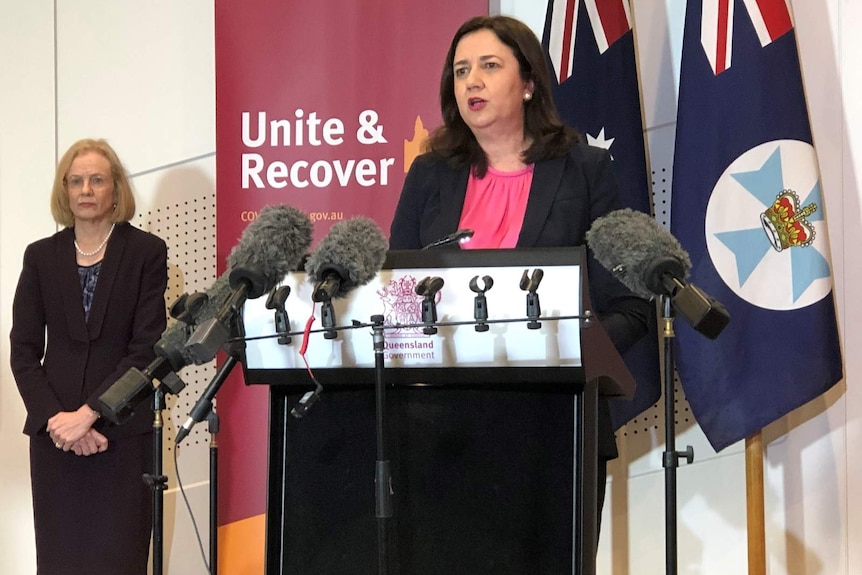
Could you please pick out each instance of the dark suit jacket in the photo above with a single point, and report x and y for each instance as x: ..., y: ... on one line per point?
x: 83, y: 358
x: 567, y: 194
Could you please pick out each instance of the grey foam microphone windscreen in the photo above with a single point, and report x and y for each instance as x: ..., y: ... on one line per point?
x: 631, y: 244
x: 354, y: 250
x: 272, y: 245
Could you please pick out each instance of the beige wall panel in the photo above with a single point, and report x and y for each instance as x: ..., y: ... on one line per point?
x: 850, y: 46
x: 26, y: 173
x: 141, y: 74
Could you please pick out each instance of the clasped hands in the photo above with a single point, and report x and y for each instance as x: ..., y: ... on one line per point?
x: 73, y: 431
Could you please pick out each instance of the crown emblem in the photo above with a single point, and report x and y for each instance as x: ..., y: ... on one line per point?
x: 402, y: 305
x: 785, y: 224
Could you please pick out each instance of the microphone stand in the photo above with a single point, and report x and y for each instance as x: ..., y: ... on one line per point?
x: 383, y: 472
x: 213, y: 426
x: 670, y: 457
x: 157, y: 481
x: 203, y: 409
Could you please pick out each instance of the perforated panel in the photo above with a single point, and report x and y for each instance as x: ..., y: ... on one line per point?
x: 188, y: 228
x: 651, y: 422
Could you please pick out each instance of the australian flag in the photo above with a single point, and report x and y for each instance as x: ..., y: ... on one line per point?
x: 590, y: 47
x: 748, y: 207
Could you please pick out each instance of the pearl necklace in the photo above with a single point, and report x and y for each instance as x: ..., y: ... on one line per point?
x: 98, y: 249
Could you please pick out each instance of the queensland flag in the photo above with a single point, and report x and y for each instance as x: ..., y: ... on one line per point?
x: 747, y: 206
x: 590, y: 47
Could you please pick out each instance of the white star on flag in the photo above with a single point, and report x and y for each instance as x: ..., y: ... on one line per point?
x: 601, y: 141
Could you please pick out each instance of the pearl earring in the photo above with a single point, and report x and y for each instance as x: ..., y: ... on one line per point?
x: 527, y: 96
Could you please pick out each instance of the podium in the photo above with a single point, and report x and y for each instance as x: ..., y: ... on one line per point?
x: 491, y: 435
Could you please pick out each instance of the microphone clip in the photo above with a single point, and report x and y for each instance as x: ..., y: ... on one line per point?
x: 186, y: 308
x: 275, y: 301
x: 529, y: 284
x: 480, y: 303
x: 327, y: 319
x: 429, y: 289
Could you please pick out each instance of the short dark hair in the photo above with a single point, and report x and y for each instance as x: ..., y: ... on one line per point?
x: 550, y: 136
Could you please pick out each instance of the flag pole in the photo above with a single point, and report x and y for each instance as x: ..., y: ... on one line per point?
x: 754, y: 504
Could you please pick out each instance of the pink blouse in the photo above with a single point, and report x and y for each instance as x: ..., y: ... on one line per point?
x: 494, y: 208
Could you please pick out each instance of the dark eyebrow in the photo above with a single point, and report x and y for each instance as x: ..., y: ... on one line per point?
x: 481, y: 59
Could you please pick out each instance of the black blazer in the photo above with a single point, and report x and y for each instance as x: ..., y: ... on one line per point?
x: 83, y: 358
x: 567, y: 194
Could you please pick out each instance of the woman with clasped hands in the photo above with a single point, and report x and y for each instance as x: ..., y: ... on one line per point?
x: 89, y: 306
x: 504, y: 165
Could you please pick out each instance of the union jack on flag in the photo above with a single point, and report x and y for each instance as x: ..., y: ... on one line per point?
x: 770, y: 19
x: 748, y: 207
x: 609, y: 21
x: 590, y: 46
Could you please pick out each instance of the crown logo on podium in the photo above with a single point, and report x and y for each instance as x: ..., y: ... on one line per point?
x: 785, y: 222
x: 402, y: 305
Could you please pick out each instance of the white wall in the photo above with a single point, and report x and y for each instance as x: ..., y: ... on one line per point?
x: 142, y: 75
x: 849, y: 43
x: 26, y: 168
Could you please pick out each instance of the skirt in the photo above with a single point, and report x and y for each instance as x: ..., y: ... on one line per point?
x: 92, y: 515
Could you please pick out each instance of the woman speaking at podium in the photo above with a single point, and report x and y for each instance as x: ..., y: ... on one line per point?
x: 504, y: 165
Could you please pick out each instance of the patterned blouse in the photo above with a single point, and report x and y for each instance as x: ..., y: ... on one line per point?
x: 88, y: 275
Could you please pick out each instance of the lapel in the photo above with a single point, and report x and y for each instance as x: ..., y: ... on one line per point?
x: 70, y: 284
x: 453, y: 190
x: 107, y: 276
x: 547, y: 176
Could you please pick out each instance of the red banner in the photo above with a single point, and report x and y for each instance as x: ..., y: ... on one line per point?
x: 321, y: 105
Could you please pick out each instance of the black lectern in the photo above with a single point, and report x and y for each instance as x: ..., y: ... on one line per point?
x: 491, y: 435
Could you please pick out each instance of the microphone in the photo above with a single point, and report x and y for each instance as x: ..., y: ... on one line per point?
x: 119, y: 401
x: 272, y: 245
x: 278, y: 226
x: 628, y: 243
x: 461, y: 236
x: 650, y: 261
x: 349, y: 256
